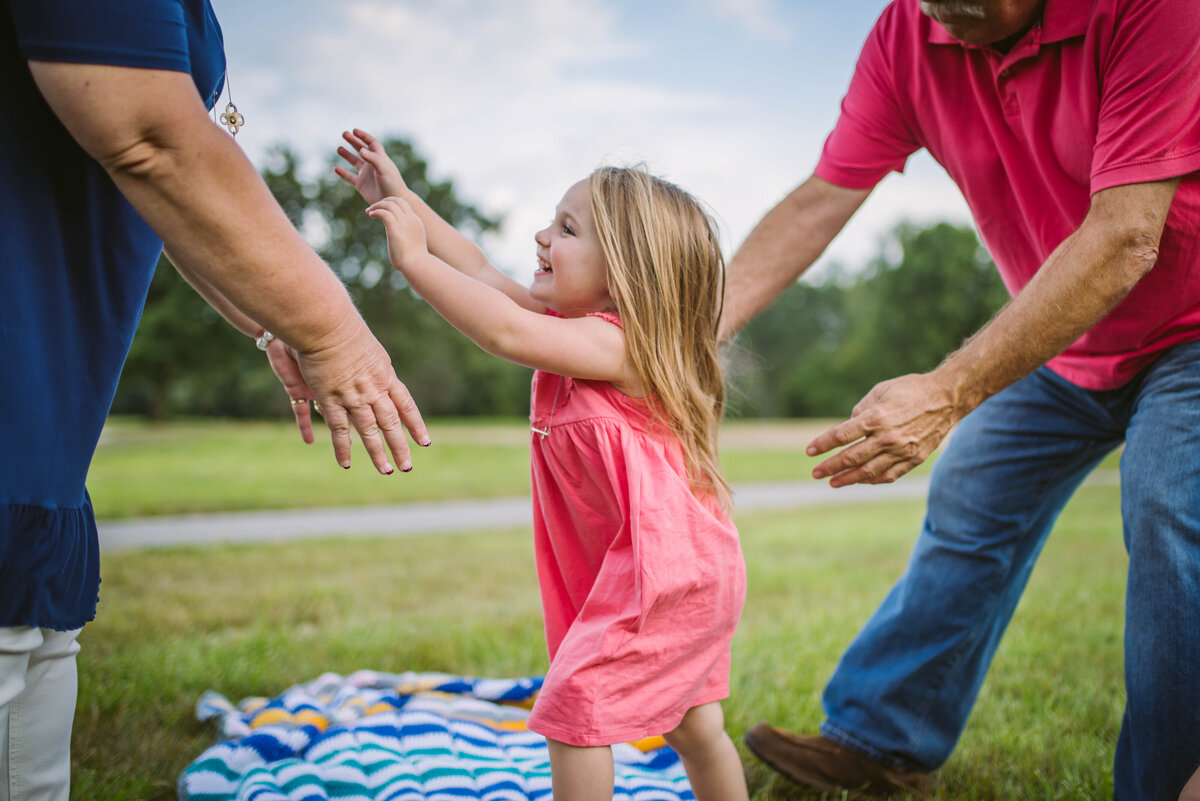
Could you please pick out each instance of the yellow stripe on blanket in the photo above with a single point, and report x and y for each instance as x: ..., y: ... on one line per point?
x: 316, y: 742
x: 305, y: 717
x: 648, y: 744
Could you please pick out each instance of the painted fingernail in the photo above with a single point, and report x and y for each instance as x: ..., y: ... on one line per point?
x: 426, y: 443
x: 406, y: 469
x: 388, y: 469
x: 346, y: 465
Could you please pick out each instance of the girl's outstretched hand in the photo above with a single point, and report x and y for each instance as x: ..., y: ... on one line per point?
x: 405, y: 231
x: 374, y: 175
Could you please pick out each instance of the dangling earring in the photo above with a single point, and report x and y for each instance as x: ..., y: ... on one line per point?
x: 232, y: 119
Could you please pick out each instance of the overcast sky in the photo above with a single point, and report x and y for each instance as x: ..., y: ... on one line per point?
x: 516, y: 100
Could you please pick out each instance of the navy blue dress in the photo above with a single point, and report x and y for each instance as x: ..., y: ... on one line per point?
x: 75, y: 265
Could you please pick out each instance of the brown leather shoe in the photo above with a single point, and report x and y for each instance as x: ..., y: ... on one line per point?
x: 818, y: 762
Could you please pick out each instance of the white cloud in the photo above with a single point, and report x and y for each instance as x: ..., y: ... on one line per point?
x: 517, y: 101
x: 759, y: 18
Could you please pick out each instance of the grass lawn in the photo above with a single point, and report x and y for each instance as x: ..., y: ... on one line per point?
x: 187, y: 467
x: 254, y: 619
x: 143, y: 469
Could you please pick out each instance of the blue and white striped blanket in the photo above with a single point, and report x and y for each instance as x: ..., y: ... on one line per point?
x: 399, y: 737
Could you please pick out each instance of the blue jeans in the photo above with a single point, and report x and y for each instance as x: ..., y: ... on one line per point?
x: 904, y: 688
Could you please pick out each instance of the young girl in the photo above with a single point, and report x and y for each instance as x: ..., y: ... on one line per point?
x: 640, y: 570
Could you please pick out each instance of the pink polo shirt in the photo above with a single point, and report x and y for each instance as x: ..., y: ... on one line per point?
x: 1102, y: 93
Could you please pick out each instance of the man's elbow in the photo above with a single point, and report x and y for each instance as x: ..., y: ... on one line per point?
x: 1138, y: 249
x: 1130, y: 221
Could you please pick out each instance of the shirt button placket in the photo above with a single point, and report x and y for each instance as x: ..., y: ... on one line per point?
x: 1008, y: 95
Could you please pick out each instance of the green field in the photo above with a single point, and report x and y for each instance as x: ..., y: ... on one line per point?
x: 252, y: 620
x: 212, y: 466
x: 255, y: 619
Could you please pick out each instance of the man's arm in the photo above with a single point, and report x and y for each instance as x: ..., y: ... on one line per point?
x: 782, y: 246
x: 899, y: 423
x: 194, y: 186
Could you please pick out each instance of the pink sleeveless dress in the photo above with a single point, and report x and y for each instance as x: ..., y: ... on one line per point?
x: 642, y: 583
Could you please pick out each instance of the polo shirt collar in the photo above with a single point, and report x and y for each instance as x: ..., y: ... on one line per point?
x: 1061, y: 20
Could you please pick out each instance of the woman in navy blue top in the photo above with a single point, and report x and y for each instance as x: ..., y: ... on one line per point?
x: 78, y: 264
x: 107, y: 150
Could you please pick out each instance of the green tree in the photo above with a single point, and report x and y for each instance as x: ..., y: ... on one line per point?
x: 186, y: 360
x: 447, y: 373
x: 942, y: 290
x: 798, y: 332
x: 815, y: 352
x: 819, y: 349
x: 182, y: 355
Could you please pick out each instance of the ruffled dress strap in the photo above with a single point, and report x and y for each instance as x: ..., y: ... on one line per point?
x: 611, y: 317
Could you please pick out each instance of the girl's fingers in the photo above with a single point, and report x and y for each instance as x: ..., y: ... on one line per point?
x: 350, y: 156
x: 376, y: 158
x: 345, y: 175
x: 353, y: 138
x: 388, y: 205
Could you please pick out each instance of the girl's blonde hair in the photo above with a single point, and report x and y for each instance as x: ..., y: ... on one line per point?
x: 666, y: 276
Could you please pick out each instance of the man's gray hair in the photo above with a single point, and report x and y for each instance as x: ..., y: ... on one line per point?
x: 953, y: 8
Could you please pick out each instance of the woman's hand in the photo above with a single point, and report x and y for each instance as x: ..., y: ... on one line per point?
x: 283, y: 362
x: 357, y: 387
x: 374, y: 175
x: 405, y: 231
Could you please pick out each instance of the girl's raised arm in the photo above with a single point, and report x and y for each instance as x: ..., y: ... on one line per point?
x: 376, y: 176
x: 584, y: 347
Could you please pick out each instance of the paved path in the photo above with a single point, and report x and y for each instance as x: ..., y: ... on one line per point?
x: 454, y: 516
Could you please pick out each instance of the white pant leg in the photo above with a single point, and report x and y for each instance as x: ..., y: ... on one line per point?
x: 38, y: 686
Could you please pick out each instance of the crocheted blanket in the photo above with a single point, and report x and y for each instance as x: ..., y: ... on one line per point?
x: 400, y: 737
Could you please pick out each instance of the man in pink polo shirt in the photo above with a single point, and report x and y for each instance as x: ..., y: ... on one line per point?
x: 1072, y: 128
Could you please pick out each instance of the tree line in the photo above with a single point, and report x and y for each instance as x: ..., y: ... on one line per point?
x: 814, y: 352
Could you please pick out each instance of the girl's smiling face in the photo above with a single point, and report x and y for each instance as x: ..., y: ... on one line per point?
x: 572, y: 277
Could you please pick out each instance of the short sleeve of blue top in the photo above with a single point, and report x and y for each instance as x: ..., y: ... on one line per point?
x: 75, y: 265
